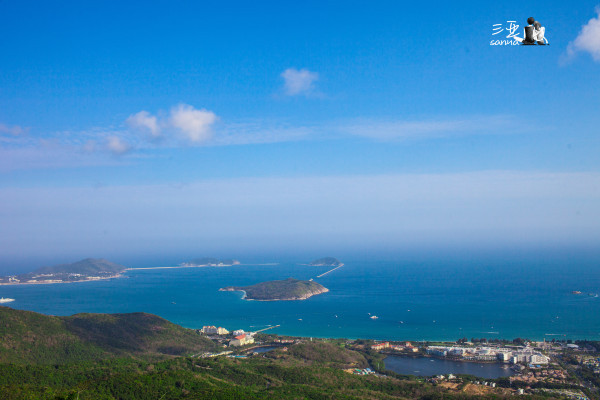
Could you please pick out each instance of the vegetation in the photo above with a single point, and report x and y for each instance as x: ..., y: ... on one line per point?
x: 89, y: 266
x: 28, y: 337
x: 288, y: 289
x: 218, y: 378
x: 123, y: 356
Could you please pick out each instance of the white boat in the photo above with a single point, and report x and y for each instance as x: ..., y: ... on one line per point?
x: 7, y: 300
x: 373, y: 317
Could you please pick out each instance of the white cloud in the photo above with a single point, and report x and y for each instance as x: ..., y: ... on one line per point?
x: 299, y: 82
x: 117, y: 145
x: 588, y: 39
x: 14, y: 130
x: 144, y: 121
x: 195, y: 124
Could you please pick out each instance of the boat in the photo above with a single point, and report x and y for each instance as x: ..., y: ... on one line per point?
x: 575, y: 292
x: 7, y: 300
x: 373, y: 317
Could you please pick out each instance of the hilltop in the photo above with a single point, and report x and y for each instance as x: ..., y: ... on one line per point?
x: 29, y: 337
x: 84, y: 270
x: 288, y: 289
x: 326, y: 262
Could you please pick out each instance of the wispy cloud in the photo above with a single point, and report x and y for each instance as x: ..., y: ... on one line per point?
x: 299, y: 82
x: 13, y: 130
x: 186, y: 126
x: 588, y: 40
x: 144, y: 121
x: 427, y: 128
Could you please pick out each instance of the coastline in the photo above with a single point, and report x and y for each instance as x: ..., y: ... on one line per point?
x: 119, y: 275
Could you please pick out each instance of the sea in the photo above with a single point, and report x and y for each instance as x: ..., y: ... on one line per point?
x: 415, y: 298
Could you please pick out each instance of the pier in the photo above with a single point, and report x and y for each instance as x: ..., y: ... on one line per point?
x: 265, y: 329
x: 331, y: 270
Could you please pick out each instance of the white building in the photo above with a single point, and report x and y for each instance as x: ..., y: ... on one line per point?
x: 538, y: 359
x: 213, y: 330
x: 209, y: 329
x: 222, y: 331
x: 241, y: 340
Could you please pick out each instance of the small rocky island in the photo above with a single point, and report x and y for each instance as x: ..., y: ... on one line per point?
x: 209, y: 262
x: 288, y: 289
x: 326, y: 262
x: 90, y: 269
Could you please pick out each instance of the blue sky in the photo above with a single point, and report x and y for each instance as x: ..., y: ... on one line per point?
x: 197, y: 128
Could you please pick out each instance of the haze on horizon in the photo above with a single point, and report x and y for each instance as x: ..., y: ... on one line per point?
x: 232, y: 129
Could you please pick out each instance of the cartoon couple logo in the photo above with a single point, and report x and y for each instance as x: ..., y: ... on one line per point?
x: 534, y: 33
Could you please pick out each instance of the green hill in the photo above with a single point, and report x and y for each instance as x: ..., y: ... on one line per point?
x: 29, y: 337
x: 89, y: 356
x: 288, y: 289
x: 89, y: 266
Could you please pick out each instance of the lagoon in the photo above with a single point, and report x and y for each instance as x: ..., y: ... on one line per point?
x: 427, y: 366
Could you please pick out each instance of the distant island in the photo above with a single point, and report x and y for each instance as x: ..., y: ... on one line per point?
x: 288, y: 289
x: 326, y: 262
x: 210, y: 262
x: 90, y: 269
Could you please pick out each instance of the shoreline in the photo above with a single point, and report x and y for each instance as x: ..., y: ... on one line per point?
x: 121, y: 274
x: 58, y: 282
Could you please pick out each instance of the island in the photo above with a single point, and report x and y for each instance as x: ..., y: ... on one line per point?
x: 89, y: 269
x: 288, y: 289
x: 210, y: 262
x: 326, y: 262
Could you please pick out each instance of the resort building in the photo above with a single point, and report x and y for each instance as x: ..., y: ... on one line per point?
x: 213, y: 330
x: 241, y: 340
x: 381, y: 346
x: 526, y: 355
x: 222, y: 331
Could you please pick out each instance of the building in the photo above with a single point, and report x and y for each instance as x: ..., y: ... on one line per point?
x: 456, y: 352
x: 209, y: 330
x: 381, y: 346
x: 222, y: 331
x: 238, y: 332
x: 213, y: 330
x: 538, y: 359
x: 241, y: 340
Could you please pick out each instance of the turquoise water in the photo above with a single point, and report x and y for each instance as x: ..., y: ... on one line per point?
x: 413, y: 299
x: 424, y: 366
